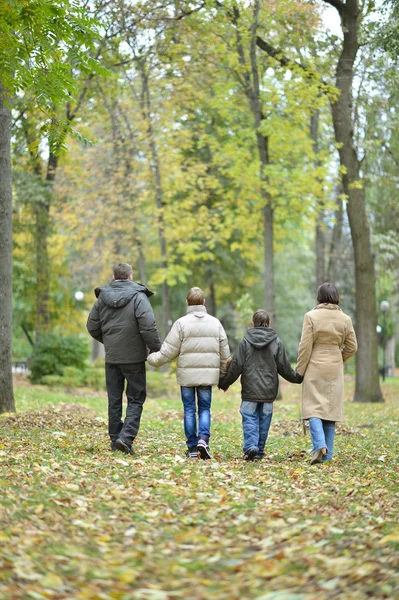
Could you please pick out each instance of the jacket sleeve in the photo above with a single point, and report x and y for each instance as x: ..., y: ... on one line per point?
x: 235, y: 368
x: 170, y: 349
x: 224, y: 350
x: 146, y: 322
x: 94, y: 324
x: 284, y: 367
x: 350, y: 342
x: 305, y: 345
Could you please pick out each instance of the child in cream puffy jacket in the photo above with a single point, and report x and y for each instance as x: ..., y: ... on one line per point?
x: 199, y: 343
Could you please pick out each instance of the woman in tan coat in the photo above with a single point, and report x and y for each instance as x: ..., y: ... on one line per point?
x: 327, y: 341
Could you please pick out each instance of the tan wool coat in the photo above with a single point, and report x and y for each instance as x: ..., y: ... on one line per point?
x: 327, y: 341
x: 199, y: 343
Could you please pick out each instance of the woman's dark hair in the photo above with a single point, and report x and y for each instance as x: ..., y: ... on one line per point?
x: 327, y: 293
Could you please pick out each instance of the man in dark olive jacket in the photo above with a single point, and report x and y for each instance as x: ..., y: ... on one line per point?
x: 260, y: 359
x: 122, y: 319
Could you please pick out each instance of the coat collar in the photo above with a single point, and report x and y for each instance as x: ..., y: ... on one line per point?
x: 328, y: 306
x: 196, y: 308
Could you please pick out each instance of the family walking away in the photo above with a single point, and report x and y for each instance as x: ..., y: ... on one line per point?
x: 123, y: 320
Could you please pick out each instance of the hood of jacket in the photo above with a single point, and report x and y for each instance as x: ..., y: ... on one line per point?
x: 120, y: 292
x: 198, y: 310
x: 260, y: 337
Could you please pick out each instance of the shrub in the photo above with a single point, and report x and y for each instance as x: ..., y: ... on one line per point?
x: 160, y: 384
x: 95, y: 377
x: 54, y: 352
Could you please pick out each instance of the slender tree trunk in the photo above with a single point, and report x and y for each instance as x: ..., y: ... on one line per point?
x: 156, y: 169
x: 252, y: 91
x: 211, y: 298
x: 332, y: 271
x: 42, y: 225
x: 6, y: 389
x: 141, y: 264
x: 320, y: 238
x: 367, y: 379
x: 42, y: 233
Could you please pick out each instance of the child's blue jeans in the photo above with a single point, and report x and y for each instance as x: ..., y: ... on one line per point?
x: 256, y: 419
x: 204, y: 395
x: 323, y: 433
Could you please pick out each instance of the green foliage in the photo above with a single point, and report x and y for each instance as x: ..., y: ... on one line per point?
x: 42, y: 45
x: 55, y: 352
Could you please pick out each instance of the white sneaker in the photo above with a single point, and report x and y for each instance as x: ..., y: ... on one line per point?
x: 203, y: 449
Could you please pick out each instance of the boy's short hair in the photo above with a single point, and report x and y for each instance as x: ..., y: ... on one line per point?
x: 327, y: 293
x: 195, y: 296
x: 261, y: 318
x: 122, y: 271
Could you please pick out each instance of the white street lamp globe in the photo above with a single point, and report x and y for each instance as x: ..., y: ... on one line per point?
x: 79, y: 296
x: 384, y: 306
x: 378, y: 328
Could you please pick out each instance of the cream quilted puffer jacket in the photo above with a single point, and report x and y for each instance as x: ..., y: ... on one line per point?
x: 200, y: 344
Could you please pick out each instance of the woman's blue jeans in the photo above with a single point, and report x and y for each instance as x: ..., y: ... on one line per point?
x: 323, y: 433
x: 256, y: 420
x: 204, y: 395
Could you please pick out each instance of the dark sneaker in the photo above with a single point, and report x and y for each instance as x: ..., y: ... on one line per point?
x: 250, y: 454
x: 192, y: 452
x: 123, y: 447
x: 258, y: 456
x: 113, y: 447
x: 203, y: 449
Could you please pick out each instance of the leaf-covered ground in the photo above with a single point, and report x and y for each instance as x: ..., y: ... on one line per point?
x: 80, y: 522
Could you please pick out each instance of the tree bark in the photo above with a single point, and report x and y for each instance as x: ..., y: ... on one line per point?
x: 156, y: 169
x: 332, y: 270
x: 7, y: 403
x: 42, y: 256
x: 367, y: 380
x: 252, y: 91
x: 320, y: 238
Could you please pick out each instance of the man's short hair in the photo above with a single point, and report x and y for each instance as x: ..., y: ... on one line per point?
x: 195, y: 296
x: 261, y: 318
x: 122, y: 271
x: 327, y: 293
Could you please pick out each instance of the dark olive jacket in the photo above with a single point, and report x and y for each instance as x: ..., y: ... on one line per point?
x: 259, y: 359
x: 123, y: 320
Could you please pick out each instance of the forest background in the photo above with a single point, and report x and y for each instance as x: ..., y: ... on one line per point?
x: 201, y: 143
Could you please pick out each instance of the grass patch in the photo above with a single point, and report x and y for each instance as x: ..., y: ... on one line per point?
x: 79, y: 522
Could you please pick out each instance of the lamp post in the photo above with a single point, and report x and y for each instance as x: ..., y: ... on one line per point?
x: 384, y: 307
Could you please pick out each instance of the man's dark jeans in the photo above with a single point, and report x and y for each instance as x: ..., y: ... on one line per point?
x: 115, y: 376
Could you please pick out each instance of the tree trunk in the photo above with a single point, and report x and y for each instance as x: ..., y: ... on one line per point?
x: 42, y: 257
x: 6, y: 389
x: 390, y: 356
x: 141, y: 264
x: 155, y: 165
x: 332, y: 271
x: 211, y: 298
x: 253, y: 94
x: 320, y: 241
x: 367, y: 380
x: 42, y: 225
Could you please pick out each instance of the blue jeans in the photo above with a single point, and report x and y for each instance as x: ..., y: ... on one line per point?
x: 256, y: 419
x: 204, y: 395
x: 322, y: 433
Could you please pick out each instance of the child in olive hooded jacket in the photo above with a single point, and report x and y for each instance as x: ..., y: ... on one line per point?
x: 260, y: 359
